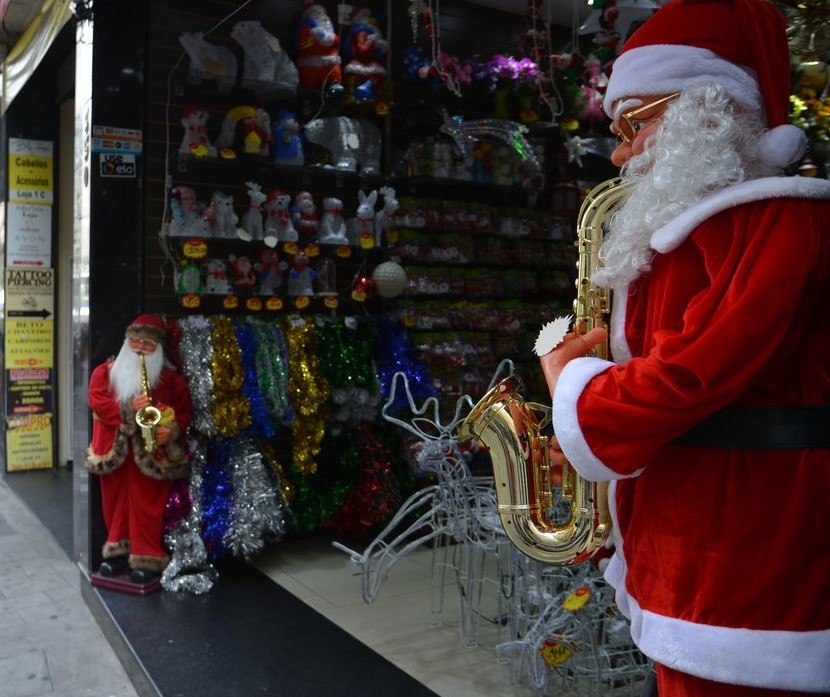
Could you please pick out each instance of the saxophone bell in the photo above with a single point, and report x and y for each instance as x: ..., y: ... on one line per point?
x: 513, y: 429
x: 147, y: 418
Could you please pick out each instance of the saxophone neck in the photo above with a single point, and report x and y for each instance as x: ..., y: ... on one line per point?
x: 145, y: 381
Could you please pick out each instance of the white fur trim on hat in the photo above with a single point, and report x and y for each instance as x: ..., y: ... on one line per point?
x: 660, y: 69
x: 783, y: 145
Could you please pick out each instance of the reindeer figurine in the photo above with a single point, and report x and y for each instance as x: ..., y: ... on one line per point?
x: 252, y: 218
x: 383, y: 218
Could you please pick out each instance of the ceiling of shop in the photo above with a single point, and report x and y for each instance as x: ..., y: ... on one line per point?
x: 16, y: 15
x: 562, y: 12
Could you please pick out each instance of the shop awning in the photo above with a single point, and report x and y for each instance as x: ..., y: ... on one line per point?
x: 32, y: 46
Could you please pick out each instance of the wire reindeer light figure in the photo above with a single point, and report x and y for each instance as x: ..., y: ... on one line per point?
x: 459, y: 508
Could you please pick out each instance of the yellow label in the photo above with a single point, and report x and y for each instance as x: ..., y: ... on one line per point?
x: 578, y: 599
x: 194, y: 248
x: 230, y: 302
x: 555, y: 653
x: 191, y: 301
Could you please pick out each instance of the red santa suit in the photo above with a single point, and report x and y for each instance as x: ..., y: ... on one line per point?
x: 318, y: 49
x: 722, y: 555
x: 135, y: 484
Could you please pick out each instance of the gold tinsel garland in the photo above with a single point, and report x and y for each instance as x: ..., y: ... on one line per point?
x: 230, y: 410
x: 308, y: 391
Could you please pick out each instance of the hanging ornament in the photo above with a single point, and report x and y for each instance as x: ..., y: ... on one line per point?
x: 363, y: 288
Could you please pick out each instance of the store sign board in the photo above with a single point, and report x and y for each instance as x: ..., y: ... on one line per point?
x: 31, y: 177
x: 29, y: 366
x: 29, y: 235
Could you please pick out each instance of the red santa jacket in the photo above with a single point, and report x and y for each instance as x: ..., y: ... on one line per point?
x: 115, y: 435
x: 722, y: 556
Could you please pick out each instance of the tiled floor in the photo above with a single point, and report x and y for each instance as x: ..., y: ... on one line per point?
x: 401, y: 625
x: 48, y: 639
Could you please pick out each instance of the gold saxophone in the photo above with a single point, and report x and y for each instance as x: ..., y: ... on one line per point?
x: 147, y: 417
x: 512, y: 429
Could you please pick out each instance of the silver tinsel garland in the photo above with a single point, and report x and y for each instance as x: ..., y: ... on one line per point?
x: 196, y: 351
x: 258, y: 513
x: 189, y: 568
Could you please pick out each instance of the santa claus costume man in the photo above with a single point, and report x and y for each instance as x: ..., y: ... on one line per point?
x: 711, y: 423
x: 134, y: 482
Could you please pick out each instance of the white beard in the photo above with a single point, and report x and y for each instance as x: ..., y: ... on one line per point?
x: 125, y: 373
x: 702, y: 146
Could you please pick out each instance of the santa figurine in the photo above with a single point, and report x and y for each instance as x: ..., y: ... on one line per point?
x: 318, y: 50
x: 304, y: 217
x: 135, y: 462
x: 301, y: 275
x: 365, y: 51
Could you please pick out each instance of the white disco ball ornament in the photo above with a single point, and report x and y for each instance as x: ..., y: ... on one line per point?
x: 390, y: 279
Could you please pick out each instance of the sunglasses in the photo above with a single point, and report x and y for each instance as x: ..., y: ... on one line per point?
x: 628, y: 126
x: 140, y: 342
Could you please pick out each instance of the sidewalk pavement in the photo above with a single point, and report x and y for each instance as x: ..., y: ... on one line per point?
x: 50, y: 644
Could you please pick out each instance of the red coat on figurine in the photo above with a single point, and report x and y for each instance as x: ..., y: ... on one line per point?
x: 135, y: 480
x: 318, y: 49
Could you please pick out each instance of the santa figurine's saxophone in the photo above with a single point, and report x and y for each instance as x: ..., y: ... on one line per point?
x: 512, y: 428
x: 147, y: 417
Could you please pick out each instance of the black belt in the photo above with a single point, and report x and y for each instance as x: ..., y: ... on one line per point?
x: 762, y: 428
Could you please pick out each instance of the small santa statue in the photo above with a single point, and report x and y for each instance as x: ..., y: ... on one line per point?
x: 318, y: 50
x: 366, y: 52
x: 304, y: 217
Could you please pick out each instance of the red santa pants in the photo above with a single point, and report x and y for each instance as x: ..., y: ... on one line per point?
x: 672, y: 683
x: 133, y: 506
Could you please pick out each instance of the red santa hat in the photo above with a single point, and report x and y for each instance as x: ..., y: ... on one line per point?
x: 738, y: 44
x: 147, y: 327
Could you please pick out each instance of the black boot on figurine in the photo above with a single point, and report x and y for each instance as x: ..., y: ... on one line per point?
x: 142, y: 576
x: 114, y: 566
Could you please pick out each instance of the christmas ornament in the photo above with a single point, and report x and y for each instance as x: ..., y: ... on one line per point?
x: 389, y: 279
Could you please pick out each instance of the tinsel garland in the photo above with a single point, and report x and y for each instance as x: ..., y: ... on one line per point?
x: 395, y: 352
x: 318, y: 496
x: 308, y: 391
x: 258, y: 515
x: 272, y: 370
x: 189, y: 568
x: 377, y: 495
x: 346, y: 357
x: 282, y: 483
x: 246, y: 339
x: 217, y: 498
x: 178, y: 504
x: 196, y: 353
x: 230, y: 410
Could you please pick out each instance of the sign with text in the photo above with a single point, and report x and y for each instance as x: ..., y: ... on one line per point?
x: 29, y: 353
x: 30, y: 171
x: 29, y: 235
x: 118, y: 165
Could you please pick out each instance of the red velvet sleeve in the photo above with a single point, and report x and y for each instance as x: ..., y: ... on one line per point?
x: 743, y: 329
x: 99, y: 398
